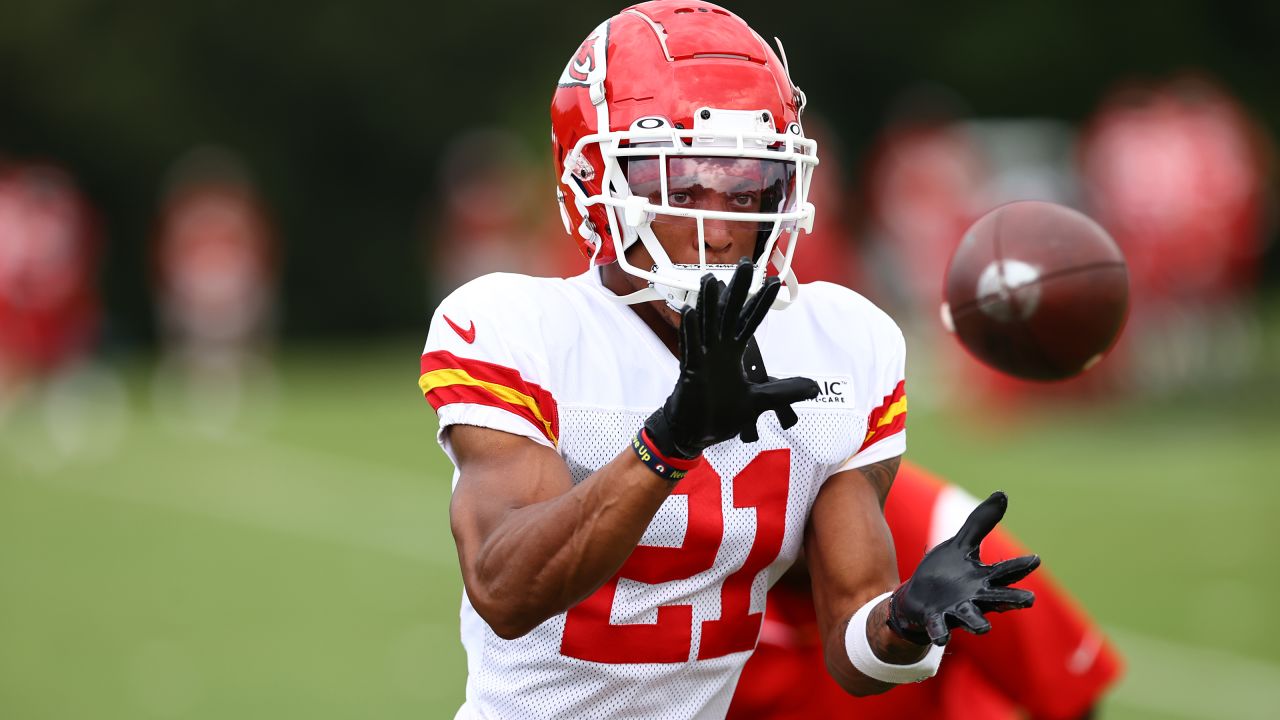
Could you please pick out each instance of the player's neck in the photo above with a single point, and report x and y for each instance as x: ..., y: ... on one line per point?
x: 620, y: 283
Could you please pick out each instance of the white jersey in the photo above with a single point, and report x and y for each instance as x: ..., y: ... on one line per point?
x: 562, y: 363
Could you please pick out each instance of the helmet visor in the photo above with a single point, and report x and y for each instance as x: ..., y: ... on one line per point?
x: 732, y: 197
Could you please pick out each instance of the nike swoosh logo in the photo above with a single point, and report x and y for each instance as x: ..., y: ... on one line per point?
x: 468, y: 336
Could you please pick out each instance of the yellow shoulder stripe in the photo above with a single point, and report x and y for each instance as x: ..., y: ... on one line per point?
x: 446, y: 377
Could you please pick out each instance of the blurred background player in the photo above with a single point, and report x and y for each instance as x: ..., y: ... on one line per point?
x: 216, y: 284
x: 1178, y: 172
x: 55, y: 402
x: 49, y: 306
x: 1049, y: 663
x: 922, y: 185
x: 920, y: 188
x: 483, y: 222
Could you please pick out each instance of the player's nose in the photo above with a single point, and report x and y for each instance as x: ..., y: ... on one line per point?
x: 718, y: 240
x: 718, y: 237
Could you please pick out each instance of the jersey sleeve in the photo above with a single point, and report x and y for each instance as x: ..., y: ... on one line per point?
x: 885, y: 399
x: 485, y: 363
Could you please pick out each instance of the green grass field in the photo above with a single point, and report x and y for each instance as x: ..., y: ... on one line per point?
x: 304, y: 568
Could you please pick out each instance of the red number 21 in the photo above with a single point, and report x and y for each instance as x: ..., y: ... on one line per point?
x: 763, y: 485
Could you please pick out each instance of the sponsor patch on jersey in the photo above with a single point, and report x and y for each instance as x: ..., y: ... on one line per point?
x: 833, y: 391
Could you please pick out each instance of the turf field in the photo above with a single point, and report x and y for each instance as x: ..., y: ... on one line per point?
x: 301, y: 566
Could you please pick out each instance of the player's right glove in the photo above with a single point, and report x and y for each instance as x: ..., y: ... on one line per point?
x: 952, y: 588
x: 714, y: 400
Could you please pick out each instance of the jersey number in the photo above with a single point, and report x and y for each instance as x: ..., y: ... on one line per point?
x: 763, y: 485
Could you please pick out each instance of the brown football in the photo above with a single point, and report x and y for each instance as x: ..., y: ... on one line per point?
x: 1036, y: 290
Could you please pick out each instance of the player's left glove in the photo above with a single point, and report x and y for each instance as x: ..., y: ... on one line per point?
x: 952, y: 588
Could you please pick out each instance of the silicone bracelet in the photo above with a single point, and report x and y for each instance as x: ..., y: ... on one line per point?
x: 669, y: 469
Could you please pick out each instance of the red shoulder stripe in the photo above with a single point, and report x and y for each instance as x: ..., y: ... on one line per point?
x: 890, y: 418
x: 446, y: 378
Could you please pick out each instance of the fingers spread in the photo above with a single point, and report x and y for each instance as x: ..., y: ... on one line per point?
x: 709, y: 303
x: 1011, y: 571
x: 1002, y: 599
x: 690, y: 339
x: 982, y: 521
x: 749, y: 433
x: 757, y: 307
x: 736, y: 298
x: 786, y: 416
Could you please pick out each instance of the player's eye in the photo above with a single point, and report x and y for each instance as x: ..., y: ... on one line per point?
x: 680, y: 198
x: 744, y: 200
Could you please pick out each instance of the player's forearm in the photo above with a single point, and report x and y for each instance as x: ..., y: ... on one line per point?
x: 545, y: 557
x: 886, y: 645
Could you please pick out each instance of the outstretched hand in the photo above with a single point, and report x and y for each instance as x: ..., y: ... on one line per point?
x: 714, y: 399
x: 953, y: 588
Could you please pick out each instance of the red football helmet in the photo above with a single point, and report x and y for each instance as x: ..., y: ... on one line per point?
x: 668, y: 97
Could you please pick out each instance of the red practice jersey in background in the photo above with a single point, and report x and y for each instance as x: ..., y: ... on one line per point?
x: 1050, y: 662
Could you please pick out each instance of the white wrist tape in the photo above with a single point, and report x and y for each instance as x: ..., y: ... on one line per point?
x: 865, y: 660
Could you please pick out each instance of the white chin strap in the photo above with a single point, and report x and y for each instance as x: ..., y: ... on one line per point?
x: 678, y: 298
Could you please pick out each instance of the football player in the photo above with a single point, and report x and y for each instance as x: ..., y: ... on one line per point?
x: 630, y: 479
x: 50, y: 309
x: 216, y: 280
x: 1050, y: 664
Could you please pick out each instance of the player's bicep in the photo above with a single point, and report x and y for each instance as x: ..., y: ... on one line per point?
x: 498, y: 473
x: 848, y: 544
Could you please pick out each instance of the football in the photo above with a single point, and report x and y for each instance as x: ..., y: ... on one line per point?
x: 1036, y: 290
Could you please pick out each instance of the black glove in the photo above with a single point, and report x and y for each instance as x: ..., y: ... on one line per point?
x: 714, y: 399
x: 952, y: 588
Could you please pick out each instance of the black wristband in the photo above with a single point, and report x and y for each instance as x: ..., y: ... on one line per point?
x: 670, y: 469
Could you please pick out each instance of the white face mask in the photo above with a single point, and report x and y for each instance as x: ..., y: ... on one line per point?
x: 732, y: 173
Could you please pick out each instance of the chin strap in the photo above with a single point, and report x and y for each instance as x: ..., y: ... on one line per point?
x: 638, y: 296
x: 789, y: 281
x: 677, y: 298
